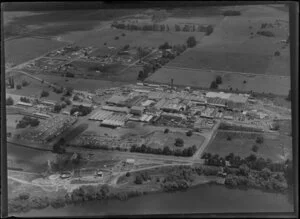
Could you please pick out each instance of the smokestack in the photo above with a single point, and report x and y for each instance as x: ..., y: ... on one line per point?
x: 172, y: 80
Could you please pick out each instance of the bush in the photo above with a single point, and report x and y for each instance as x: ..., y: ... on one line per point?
x: 166, y: 131
x: 24, y: 83
x: 244, y: 81
x: 68, y: 101
x: 123, y: 34
x: 76, y: 98
x: 189, y: 133
x: 165, y: 46
x: 255, y: 148
x: 18, y: 86
x: 266, y: 33
x: 179, y: 142
x: 213, y: 85
x: 9, y: 101
x: 191, y: 42
x: 229, y: 138
x: 44, y: 93
x: 259, y: 139
x: 24, y: 196
x: 219, y: 79
x: 277, y: 53
x: 57, y: 203
x: 57, y: 108
x: 127, y: 174
x: 138, y: 180
x: 70, y: 75
x: 116, y: 38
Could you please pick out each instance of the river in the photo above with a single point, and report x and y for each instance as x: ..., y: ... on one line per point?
x: 201, y: 199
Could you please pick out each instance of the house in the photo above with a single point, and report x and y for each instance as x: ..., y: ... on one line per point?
x: 130, y: 161
x: 137, y: 110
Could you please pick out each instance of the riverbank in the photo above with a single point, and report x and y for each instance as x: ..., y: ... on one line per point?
x: 157, y: 180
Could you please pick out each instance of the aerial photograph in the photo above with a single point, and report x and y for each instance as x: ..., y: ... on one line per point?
x: 148, y: 110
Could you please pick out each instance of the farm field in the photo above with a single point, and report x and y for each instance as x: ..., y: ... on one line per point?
x: 202, y: 78
x: 159, y: 139
x: 241, y: 144
x: 80, y: 83
x: 21, y: 50
x: 133, y: 38
x: 33, y: 89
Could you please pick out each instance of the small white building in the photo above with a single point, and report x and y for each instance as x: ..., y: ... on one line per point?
x: 130, y: 161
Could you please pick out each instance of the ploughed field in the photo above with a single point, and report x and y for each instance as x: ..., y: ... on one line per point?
x: 235, y: 47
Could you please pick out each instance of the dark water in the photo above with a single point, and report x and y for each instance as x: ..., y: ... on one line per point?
x: 202, y: 199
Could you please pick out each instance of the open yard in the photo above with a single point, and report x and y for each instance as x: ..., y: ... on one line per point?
x: 159, y: 139
x: 276, y: 147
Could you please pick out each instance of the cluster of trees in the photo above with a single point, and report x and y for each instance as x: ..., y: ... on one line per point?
x: 26, y: 120
x: 225, y: 126
x: 265, y: 33
x: 65, y: 162
x: 83, y: 111
x: 69, y: 74
x: 187, y: 152
x: 69, y: 91
x: 25, y: 99
x: 215, y: 84
x: 231, y: 13
x: 266, y: 25
x: 59, y: 106
x: 9, y: 101
x: 142, y: 177
x: 179, y: 142
x: 18, y: 86
x: 44, y: 93
x: 276, y: 53
x: 58, y: 90
x: 236, y: 161
x: 192, y: 28
x: 165, y: 46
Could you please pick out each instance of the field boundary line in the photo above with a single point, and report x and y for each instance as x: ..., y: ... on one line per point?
x: 220, y: 71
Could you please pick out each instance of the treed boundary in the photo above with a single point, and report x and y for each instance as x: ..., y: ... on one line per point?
x: 172, y: 179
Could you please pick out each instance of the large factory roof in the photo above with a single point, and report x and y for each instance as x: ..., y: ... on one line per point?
x: 115, y: 99
x: 237, y: 98
x: 218, y: 94
x: 116, y: 109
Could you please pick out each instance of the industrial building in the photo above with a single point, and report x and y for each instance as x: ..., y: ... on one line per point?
x: 137, y: 110
x: 117, y: 100
x: 116, y: 109
x: 100, y: 115
x: 20, y: 103
x: 42, y: 115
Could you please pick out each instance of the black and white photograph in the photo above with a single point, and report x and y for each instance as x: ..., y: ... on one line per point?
x: 149, y: 109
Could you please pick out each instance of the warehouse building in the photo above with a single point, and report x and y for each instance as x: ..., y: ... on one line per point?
x: 20, y: 103
x: 137, y: 110
x: 173, y: 116
x: 88, y: 105
x: 116, y: 109
x: 100, y: 115
x: 117, y: 100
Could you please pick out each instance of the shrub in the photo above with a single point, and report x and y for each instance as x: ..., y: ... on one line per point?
x: 179, y: 142
x: 127, y: 174
x: 44, y: 93
x: 18, y: 86
x: 138, y: 180
x: 76, y: 98
x: 255, y: 148
x: 9, y: 101
x: 116, y: 38
x: 24, y: 83
x: 259, y: 139
x: 214, y: 85
x: 24, y: 196
x: 277, y: 53
x: 123, y: 34
x: 189, y: 133
x: 229, y: 138
x: 191, y: 42
x: 244, y: 81
x: 68, y: 101
x: 266, y: 33
x: 219, y: 79
x: 166, y: 131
